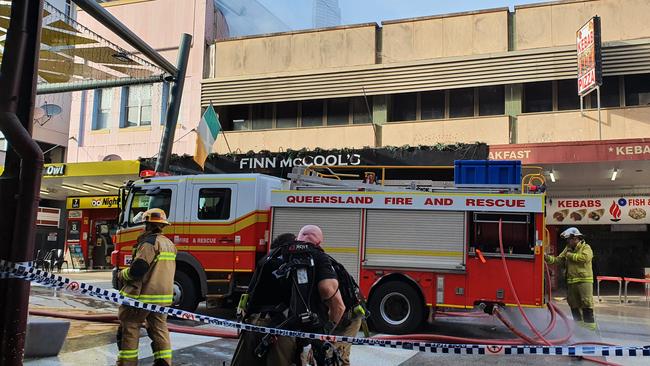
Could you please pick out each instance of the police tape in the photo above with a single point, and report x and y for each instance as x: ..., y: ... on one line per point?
x: 27, y: 272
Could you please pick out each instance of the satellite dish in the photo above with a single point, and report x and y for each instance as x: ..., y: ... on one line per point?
x: 51, y: 109
x: 39, y: 113
x: 112, y: 157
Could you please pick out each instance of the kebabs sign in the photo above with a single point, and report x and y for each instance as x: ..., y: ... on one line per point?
x: 598, y: 211
x: 415, y: 201
x: 589, y: 56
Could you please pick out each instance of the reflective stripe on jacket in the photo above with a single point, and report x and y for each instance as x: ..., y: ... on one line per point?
x: 156, y: 286
x: 578, y: 263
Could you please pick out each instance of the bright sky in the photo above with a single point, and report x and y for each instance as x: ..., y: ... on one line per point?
x: 297, y: 14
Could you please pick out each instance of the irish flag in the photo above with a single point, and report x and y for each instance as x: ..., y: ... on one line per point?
x: 207, y: 132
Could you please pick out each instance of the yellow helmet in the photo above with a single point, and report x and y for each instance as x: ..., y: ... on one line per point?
x: 155, y: 215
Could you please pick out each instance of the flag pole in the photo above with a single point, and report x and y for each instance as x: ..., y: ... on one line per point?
x: 223, y: 132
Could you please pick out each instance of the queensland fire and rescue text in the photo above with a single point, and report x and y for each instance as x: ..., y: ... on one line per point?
x: 417, y: 201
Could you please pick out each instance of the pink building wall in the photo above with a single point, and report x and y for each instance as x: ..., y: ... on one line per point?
x: 160, y: 23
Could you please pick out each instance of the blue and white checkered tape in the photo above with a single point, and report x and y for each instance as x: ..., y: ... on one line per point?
x: 26, y: 272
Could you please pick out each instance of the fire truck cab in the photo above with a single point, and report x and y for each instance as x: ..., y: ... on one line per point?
x: 411, y: 250
x: 219, y: 224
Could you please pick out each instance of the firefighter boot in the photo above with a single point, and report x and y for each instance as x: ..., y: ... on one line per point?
x: 589, y: 321
x: 577, y: 315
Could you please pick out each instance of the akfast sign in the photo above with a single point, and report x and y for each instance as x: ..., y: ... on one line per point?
x: 589, y: 56
x: 414, y: 201
x: 598, y: 211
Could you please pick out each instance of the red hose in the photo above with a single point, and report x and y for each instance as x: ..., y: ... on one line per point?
x: 512, y: 288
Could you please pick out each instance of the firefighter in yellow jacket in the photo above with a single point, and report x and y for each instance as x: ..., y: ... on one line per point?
x: 580, y: 278
x: 149, y: 279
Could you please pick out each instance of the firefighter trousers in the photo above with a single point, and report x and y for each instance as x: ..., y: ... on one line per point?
x: 128, y: 336
x: 350, y: 329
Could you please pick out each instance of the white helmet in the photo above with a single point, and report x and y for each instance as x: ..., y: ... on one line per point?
x: 572, y: 231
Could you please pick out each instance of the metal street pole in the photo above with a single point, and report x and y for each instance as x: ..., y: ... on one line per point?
x: 21, y: 179
x: 167, y: 140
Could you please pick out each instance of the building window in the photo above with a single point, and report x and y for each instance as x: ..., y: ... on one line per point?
x: 538, y: 97
x: 567, y: 95
x: 312, y: 113
x: 491, y: 100
x: 432, y: 104
x: 361, y: 110
x: 338, y: 111
x: 102, y: 108
x: 461, y: 103
x: 214, y: 204
x: 609, y: 93
x: 262, y: 116
x: 234, y: 117
x: 138, y: 106
x: 404, y: 107
x: 286, y: 115
x: 637, y: 90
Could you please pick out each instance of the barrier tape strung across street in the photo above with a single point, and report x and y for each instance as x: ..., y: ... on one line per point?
x: 29, y: 273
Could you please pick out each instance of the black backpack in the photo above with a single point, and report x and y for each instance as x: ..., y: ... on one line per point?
x: 350, y: 291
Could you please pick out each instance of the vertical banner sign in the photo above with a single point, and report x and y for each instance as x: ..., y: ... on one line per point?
x: 590, y: 74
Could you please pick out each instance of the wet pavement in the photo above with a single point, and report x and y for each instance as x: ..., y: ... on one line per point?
x: 93, y: 343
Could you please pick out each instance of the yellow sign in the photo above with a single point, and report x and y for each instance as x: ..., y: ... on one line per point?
x: 74, y: 203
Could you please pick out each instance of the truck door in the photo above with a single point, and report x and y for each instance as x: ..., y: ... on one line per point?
x: 212, y: 228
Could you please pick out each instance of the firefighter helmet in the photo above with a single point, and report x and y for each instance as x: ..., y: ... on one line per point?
x: 572, y: 231
x: 156, y: 216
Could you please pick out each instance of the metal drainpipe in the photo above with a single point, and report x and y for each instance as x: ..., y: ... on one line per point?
x: 20, y: 183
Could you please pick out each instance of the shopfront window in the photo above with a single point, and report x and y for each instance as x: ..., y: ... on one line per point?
x: 338, y: 111
x: 102, y: 110
x: 286, y: 115
x: 404, y: 107
x: 461, y: 103
x: 491, y: 100
x: 262, y: 116
x: 567, y: 95
x: 609, y: 93
x: 432, y: 104
x: 538, y: 97
x: 637, y: 89
x: 138, y: 106
x: 361, y: 110
x: 312, y: 113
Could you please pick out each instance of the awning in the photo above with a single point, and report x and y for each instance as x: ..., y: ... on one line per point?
x: 103, y: 178
x: 71, y: 53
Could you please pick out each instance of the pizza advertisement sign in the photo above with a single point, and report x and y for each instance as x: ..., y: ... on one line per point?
x: 588, y: 46
x: 598, y: 211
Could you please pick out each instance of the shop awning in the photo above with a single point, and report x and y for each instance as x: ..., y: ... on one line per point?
x: 103, y: 178
x: 72, y: 54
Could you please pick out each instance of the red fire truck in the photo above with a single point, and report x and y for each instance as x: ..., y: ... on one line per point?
x: 412, y: 248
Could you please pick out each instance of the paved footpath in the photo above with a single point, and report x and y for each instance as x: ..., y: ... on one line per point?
x: 94, y: 344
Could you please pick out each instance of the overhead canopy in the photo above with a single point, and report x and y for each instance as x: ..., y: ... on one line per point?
x: 72, y: 54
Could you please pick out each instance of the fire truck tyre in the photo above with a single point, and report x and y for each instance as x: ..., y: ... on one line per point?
x: 396, y: 308
x: 185, y: 292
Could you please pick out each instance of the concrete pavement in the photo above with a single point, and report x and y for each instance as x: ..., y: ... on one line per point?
x: 92, y: 343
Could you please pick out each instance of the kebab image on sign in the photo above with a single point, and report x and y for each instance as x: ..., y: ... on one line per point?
x: 560, y: 215
x: 597, y: 214
x: 578, y: 215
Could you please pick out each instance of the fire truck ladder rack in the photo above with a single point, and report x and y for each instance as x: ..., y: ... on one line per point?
x: 307, y: 178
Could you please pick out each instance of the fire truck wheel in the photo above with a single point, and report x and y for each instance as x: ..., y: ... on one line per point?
x: 185, y: 292
x: 396, y: 308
